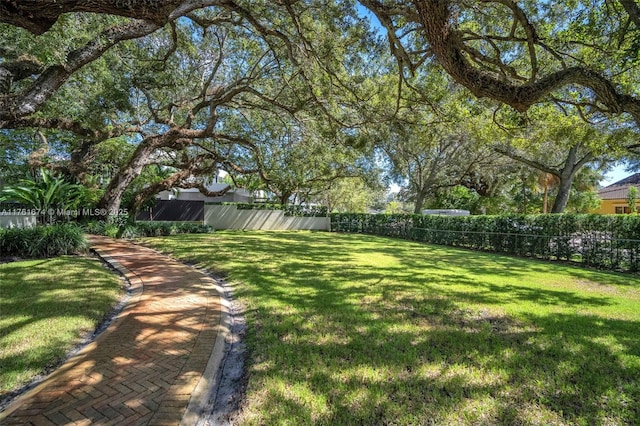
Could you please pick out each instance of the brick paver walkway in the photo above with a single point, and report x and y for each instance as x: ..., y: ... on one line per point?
x: 148, y: 366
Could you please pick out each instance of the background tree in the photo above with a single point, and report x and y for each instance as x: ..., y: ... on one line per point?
x: 350, y: 195
x: 632, y: 199
x: 559, y: 146
x: 302, y: 160
x: 458, y: 197
x: 522, y: 53
x: 429, y: 149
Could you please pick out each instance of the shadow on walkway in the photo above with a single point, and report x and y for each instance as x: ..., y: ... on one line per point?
x: 155, y: 364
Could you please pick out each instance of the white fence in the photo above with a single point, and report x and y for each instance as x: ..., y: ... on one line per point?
x: 230, y: 217
x: 17, y: 221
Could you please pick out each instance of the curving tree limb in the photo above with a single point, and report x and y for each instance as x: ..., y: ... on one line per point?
x: 38, y: 16
x: 447, y: 46
x: 154, y: 15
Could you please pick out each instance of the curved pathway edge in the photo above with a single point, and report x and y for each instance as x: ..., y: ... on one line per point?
x: 158, y: 362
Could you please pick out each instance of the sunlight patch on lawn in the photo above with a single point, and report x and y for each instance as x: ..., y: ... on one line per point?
x: 47, y: 306
x: 356, y: 329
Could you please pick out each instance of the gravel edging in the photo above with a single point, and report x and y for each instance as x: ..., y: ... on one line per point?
x: 217, y: 398
x: 230, y: 383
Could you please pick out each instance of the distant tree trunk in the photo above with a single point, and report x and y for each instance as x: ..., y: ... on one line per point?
x: 523, y: 192
x: 420, y: 197
x: 566, y: 175
x: 284, y: 198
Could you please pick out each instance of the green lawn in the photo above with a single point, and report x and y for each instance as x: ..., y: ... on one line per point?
x: 353, y: 329
x: 46, y: 306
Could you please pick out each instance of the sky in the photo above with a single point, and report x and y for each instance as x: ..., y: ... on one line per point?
x: 616, y: 174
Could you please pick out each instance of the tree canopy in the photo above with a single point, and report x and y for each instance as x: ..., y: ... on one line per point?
x: 151, y: 95
x: 581, y: 53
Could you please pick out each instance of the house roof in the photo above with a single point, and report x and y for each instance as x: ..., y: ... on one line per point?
x: 619, y: 190
x: 628, y: 181
x: 616, y: 193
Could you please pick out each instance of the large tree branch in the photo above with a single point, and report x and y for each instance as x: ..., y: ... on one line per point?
x: 532, y: 163
x: 632, y: 8
x: 183, y: 178
x: 448, y: 48
x: 38, y: 16
x: 155, y: 15
x: 19, y: 105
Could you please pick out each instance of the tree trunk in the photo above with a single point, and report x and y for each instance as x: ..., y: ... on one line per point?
x: 568, y: 172
x: 284, y: 198
x: 564, y: 190
x: 420, y: 197
x: 112, y: 198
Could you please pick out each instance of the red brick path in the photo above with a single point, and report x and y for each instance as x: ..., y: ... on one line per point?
x: 145, y: 367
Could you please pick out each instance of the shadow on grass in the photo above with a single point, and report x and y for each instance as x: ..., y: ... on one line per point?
x: 419, y: 334
x: 152, y: 360
x: 45, y: 307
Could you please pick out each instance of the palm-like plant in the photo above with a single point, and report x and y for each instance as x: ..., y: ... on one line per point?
x: 546, y: 182
x: 47, y: 194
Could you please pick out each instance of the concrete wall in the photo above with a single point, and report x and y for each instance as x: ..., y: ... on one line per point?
x: 229, y: 217
x: 17, y: 221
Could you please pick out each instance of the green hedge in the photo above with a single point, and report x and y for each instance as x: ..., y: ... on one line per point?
x: 602, y: 241
x: 146, y: 229
x: 42, y: 241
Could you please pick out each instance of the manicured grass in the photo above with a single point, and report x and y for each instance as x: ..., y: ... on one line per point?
x: 46, y: 306
x: 354, y: 329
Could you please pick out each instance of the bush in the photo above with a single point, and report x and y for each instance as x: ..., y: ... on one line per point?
x: 42, y: 241
x: 145, y: 229
x: 607, y: 242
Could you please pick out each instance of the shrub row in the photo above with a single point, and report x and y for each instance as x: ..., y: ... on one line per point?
x: 42, y: 241
x: 305, y: 211
x: 289, y: 209
x: 602, y: 241
x: 145, y: 229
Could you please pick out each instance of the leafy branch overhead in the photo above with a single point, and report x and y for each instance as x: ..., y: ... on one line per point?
x: 519, y: 53
x: 523, y: 53
x: 146, y: 95
x: 39, y: 16
x: 199, y: 94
